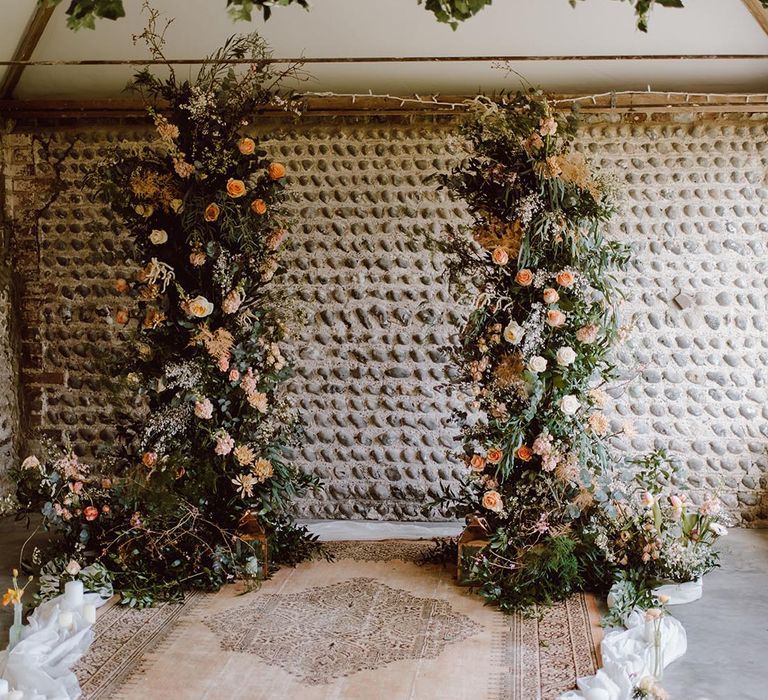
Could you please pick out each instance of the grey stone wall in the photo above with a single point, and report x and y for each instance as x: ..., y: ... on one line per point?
x: 377, y: 309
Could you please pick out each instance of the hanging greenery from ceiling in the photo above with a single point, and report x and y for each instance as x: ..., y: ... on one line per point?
x: 84, y: 13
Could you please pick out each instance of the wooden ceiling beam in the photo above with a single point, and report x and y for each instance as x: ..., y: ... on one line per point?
x: 758, y: 12
x: 27, y: 45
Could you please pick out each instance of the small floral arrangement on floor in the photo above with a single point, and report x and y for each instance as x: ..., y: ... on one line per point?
x: 204, y: 352
x: 651, y: 534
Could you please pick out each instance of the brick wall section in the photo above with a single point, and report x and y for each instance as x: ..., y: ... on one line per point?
x: 377, y: 309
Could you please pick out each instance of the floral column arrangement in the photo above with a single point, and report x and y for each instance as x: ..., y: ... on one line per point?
x: 203, y: 329
x: 534, y: 353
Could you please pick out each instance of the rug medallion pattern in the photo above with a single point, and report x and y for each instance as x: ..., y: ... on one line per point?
x: 327, y: 632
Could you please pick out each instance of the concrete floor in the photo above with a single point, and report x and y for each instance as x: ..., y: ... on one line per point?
x: 727, y: 629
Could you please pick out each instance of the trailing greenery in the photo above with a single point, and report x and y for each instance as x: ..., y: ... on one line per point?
x: 84, y: 13
x: 175, y: 504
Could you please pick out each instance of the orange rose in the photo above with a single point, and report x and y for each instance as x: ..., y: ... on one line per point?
x: 565, y: 278
x: 259, y: 206
x: 492, y: 501
x: 494, y: 455
x: 122, y: 317
x: 235, y: 188
x: 524, y: 277
x: 197, y: 258
x: 246, y: 146
x: 525, y: 453
x: 477, y: 463
x: 149, y: 459
x: 276, y: 171
x: 212, y: 212
x: 121, y: 285
x: 500, y: 256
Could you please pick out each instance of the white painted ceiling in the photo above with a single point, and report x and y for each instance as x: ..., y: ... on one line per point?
x: 402, y: 28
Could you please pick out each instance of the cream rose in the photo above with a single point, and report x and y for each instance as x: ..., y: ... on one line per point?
x: 569, y: 404
x: 158, y: 236
x: 492, y: 501
x: 513, y: 333
x: 73, y: 568
x: 537, y: 364
x: 500, y: 256
x: 551, y: 296
x: 199, y: 307
x: 555, y: 318
x: 31, y: 462
x: 598, y: 423
x: 565, y: 356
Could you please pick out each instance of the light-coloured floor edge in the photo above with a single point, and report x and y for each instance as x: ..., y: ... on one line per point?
x: 328, y: 530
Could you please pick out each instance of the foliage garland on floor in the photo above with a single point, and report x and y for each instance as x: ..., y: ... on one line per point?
x: 561, y: 509
x: 203, y: 328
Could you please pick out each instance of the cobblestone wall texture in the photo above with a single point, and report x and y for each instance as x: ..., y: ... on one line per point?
x: 377, y: 308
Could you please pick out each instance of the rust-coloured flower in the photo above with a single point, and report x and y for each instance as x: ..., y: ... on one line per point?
x: 212, y: 212
x: 524, y: 453
x: 121, y: 285
x: 122, y: 317
x: 235, y: 188
x: 259, y: 206
x: 276, y: 171
x: 149, y: 459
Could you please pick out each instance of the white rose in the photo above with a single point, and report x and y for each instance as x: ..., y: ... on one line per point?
x: 537, y: 364
x: 200, y: 307
x: 565, y: 356
x: 31, y: 462
x: 73, y: 568
x: 158, y: 236
x: 569, y: 404
x: 513, y: 333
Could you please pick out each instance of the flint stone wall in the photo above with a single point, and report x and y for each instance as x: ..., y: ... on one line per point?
x: 377, y: 308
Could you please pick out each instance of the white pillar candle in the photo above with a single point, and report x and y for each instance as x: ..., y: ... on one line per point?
x: 3, y: 686
x: 66, y: 620
x: 73, y: 594
x: 89, y: 614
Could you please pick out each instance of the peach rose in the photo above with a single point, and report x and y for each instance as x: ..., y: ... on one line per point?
x: 91, y: 513
x: 121, y: 285
x: 565, y: 278
x: 235, y: 188
x: 551, y: 296
x: 492, y: 501
x: 105, y: 509
x: 276, y: 238
x: 212, y: 212
x: 555, y: 318
x: 197, y: 258
x: 121, y: 316
x: 259, y: 206
x: 524, y: 277
x: 494, y: 455
x: 246, y: 146
x: 587, y: 334
x: 524, y: 453
x: 276, y: 171
x: 500, y: 256
x: 106, y: 483
x: 477, y: 463
x: 149, y: 459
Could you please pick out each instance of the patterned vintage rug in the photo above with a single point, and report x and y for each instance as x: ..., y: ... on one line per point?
x: 374, y: 624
